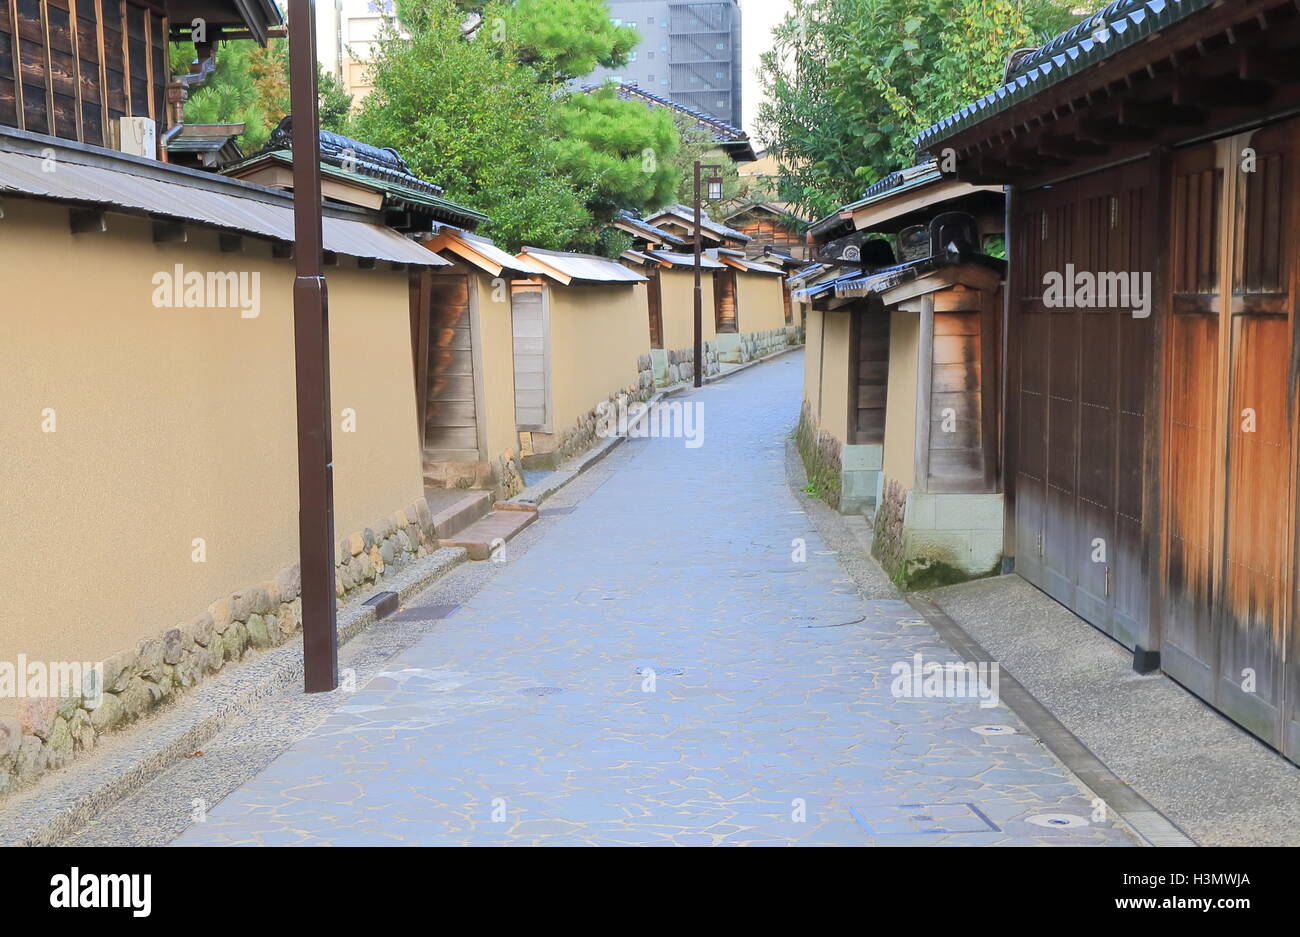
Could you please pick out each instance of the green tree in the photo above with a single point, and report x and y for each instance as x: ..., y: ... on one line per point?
x: 473, y: 118
x: 699, y: 144
x: 621, y: 152
x: 849, y: 83
x: 566, y: 39
x: 251, y: 86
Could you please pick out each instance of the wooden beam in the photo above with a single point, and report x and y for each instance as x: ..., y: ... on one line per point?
x: 329, y: 258
x: 230, y: 243
x: 87, y: 221
x: 169, y: 232
x: 282, y: 250
x: 1135, y: 113
x: 365, y: 263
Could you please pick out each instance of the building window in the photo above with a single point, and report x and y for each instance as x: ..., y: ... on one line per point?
x: 663, y: 81
x: 651, y: 78
x: 649, y: 55
x: 721, y: 45
x: 719, y: 74
x: 632, y: 23
x: 631, y: 57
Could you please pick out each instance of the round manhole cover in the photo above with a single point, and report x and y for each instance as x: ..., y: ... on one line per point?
x: 541, y: 691
x: 1063, y: 821
x: 659, y: 671
x: 994, y: 730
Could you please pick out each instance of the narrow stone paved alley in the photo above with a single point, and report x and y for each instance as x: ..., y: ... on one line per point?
x: 529, y: 716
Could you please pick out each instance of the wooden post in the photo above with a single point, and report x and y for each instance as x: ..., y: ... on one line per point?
x: 312, y: 366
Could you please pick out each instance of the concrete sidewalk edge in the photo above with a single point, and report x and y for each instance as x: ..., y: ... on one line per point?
x: 67, y: 800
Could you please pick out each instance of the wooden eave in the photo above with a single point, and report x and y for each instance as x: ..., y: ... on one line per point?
x: 1232, y: 66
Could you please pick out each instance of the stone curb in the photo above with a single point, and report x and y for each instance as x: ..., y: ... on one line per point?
x: 126, y: 761
x: 750, y: 364
x: 534, y: 495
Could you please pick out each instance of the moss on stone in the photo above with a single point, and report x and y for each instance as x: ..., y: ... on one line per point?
x: 933, y: 574
x: 821, y: 459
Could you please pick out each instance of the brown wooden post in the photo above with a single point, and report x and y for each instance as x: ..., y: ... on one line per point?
x: 311, y: 359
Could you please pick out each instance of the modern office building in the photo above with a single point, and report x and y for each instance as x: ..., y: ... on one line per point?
x: 689, y: 53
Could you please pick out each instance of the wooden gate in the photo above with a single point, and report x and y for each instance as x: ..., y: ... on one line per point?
x: 869, y: 342
x: 1078, y: 392
x: 449, y: 404
x: 656, y: 303
x: 1231, y: 441
x: 532, y: 366
x: 726, y: 317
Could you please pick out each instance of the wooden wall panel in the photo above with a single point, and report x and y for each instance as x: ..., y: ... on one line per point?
x: 8, y: 85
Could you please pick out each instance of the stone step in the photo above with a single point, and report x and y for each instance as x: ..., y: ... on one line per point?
x: 498, y: 526
x: 454, y: 510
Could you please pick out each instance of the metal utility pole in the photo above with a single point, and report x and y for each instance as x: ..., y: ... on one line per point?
x: 699, y: 295
x: 312, y: 365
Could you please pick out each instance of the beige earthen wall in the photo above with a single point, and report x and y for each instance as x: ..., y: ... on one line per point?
x: 597, y: 333
x: 761, y: 302
x: 171, y: 424
x: 678, y: 292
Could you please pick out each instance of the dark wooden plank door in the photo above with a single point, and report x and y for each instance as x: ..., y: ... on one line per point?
x: 726, y: 313
x: 870, y: 374
x: 656, y: 304
x: 1260, y: 439
x: 1193, y: 476
x: 1078, y: 375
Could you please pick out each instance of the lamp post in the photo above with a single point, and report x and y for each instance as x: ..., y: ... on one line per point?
x: 714, y: 183
x: 311, y: 365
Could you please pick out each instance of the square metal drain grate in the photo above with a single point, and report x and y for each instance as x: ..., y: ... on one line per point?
x: 923, y: 819
x: 423, y: 613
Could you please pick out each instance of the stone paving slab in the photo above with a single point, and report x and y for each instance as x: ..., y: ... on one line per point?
x: 682, y: 661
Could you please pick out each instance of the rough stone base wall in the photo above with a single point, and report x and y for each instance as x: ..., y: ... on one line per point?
x: 503, y: 475
x: 49, y: 732
x: 821, y: 457
x: 889, y: 537
x: 507, y: 475
x: 750, y: 346
x: 924, y: 540
x: 681, y: 364
x: 580, y: 437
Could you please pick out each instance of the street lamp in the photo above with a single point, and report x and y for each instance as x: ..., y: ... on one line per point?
x: 311, y: 365
x: 714, y: 183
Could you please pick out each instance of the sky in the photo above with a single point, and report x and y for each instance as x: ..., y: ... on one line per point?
x: 757, y: 18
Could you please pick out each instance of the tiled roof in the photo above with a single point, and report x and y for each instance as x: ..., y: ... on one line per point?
x: 1121, y: 24
x: 645, y: 227
x: 723, y: 132
x: 687, y: 214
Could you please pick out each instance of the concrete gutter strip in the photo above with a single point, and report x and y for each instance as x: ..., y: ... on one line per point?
x: 1147, y: 823
x: 124, y: 762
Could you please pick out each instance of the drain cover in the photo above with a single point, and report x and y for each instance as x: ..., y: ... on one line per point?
x: 659, y: 671
x: 541, y: 691
x: 922, y: 819
x: 994, y: 730
x: 1059, y: 820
